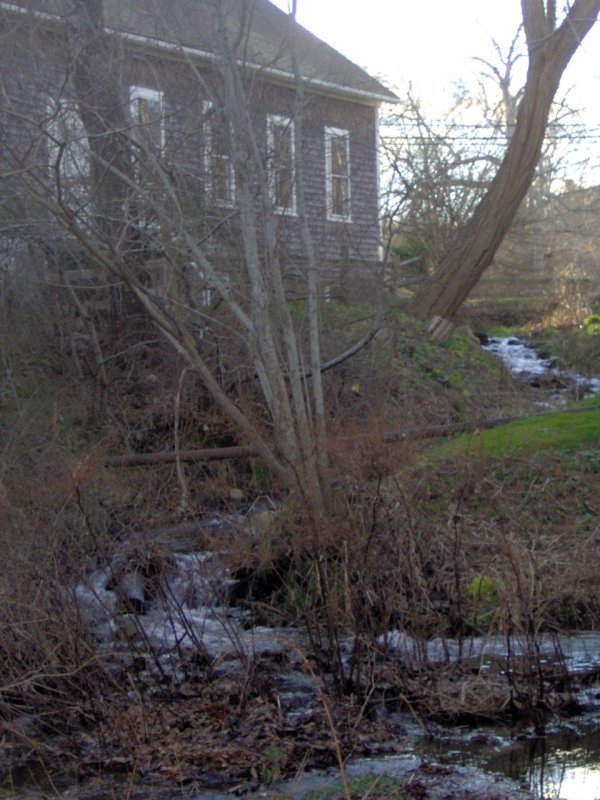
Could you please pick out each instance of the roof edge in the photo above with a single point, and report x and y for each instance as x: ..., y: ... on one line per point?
x: 368, y: 98
x: 281, y: 75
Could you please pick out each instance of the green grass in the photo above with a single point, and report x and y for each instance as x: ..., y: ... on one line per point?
x: 504, y: 331
x: 560, y: 431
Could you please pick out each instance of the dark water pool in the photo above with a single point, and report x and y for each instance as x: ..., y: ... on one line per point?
x: 564, y: 763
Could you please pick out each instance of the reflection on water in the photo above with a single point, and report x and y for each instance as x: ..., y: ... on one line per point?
x: 579, y: 782
x: 565, y: 766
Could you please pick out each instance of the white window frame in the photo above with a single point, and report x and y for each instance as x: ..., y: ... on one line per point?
x: 332, y: 133
x: 137, y: 93
x: 279, y: 121
x: 209, y: 162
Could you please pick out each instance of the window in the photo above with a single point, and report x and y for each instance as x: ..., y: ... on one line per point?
x: 146, y: 108
x: 281, y: 146
x: 68, y: 149
x: 337, y: 170
x: 197, y: 283
x: 218, y: 163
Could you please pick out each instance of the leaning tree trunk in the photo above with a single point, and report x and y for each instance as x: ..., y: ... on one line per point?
x: 550, y: 50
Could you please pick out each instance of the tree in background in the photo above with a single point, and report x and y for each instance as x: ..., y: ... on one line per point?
x: 439, y: 170
x: 437, y: 173
x: 551, y: 44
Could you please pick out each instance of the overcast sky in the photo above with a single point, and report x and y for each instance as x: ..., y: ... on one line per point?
x: 432, y: 43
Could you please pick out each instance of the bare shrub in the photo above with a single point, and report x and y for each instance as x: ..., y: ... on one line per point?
x: 50, y: 680
x: 569, y: 305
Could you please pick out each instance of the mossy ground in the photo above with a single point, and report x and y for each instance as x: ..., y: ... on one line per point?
x: 404, y: 378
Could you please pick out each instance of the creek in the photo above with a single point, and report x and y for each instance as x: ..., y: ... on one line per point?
x: 486, y: 760
x: 541, y: 371
x: 189, y: 611
x: 463, y: 762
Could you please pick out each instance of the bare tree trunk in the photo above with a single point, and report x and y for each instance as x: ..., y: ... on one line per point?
x: 550, y: 50
x: 102, y: 111
x: 277, y: 358
x: 104, y: 117
x: 320, y: 427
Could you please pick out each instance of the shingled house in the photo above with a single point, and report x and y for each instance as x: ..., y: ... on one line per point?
x: 308, y: 107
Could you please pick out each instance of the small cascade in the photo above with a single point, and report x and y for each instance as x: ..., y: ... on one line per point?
x: 519, y: 356
x: 541, y: 371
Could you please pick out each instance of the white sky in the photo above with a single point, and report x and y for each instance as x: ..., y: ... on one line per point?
x: 431, y: 43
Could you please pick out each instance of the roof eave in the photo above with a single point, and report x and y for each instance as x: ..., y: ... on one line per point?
x: 185, y: 51
x: 280, y: 75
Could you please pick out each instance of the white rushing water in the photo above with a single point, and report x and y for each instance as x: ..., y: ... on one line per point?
x: 520, y: 357
x: 524, y: 361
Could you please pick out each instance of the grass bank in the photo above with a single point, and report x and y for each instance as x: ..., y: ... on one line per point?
x: 564, y: 432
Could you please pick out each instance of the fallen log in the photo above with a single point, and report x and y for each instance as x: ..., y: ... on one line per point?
x: 438, y: 431
x: 202, y: 454
x: 244, y: 451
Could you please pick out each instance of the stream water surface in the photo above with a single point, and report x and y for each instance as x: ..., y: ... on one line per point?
x: 527, y: 363
x: 564, y: 763
x: 488, y: 761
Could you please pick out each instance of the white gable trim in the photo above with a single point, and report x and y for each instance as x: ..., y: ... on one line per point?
x: 281, y: 75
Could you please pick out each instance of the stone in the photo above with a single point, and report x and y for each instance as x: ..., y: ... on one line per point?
x: 236, y: 495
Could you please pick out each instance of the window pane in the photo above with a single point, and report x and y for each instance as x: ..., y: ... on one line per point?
x: 282, y: 143
x: 221, y: 179
x: 337, y: 149
x: 281, y: 163
x: 68, y: 151
x: 147, y: 116
x: 339, y: 196
x: 339, y: 155
x: 283, y: 187
x: 218, y: 161
x: 150, y: 122
x: 220, y: 145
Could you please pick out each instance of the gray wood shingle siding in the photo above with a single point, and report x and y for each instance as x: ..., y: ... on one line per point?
x: 36, y: 70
